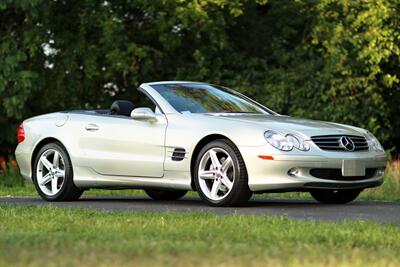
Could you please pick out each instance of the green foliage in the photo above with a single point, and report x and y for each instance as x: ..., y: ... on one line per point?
x: 328, y: 60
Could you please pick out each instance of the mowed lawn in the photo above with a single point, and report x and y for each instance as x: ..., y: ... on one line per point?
x: 50, y: 236
x: 41, y: 236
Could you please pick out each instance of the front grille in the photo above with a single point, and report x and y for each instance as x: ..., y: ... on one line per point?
x: 336, y: 174
x: 333, y: 143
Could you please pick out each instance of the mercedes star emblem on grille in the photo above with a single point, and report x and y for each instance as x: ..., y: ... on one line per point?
x: 347, y: 143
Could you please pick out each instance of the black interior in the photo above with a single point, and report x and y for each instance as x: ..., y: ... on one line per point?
x: 122, y: 107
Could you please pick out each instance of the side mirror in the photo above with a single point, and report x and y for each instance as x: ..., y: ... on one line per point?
x: 143, y: 114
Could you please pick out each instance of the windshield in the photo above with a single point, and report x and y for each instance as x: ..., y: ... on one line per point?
x: 205, y: 98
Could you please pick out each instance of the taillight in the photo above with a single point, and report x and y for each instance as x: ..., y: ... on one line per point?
x: 21, y: 133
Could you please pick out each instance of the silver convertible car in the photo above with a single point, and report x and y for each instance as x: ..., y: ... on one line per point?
x: 182, y: 136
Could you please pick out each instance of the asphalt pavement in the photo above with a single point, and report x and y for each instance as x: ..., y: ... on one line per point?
x: 378, y: 211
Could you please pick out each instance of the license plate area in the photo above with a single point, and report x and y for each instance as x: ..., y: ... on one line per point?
x: 353, y: 168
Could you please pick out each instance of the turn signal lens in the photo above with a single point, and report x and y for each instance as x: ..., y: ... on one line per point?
x: 266, y: 157
x: 20, y: 133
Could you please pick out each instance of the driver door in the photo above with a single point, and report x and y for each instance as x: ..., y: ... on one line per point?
x: 118, y: 145
x: 121, y: 146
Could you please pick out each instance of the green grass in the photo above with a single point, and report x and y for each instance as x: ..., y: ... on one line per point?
x: 43, y: 236
x: 37, y: 236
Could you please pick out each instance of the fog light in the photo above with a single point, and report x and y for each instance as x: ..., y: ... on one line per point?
x: 380, y: 172
x: 293, y: 172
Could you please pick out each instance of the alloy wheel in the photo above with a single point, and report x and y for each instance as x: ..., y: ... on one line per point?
x: 50, y: 172
x: 216, y: 173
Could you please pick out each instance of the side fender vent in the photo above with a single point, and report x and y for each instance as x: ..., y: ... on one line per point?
x: 178, y: 154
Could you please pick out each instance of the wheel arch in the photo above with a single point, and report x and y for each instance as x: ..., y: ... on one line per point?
x: 204, y: 141
x: 41, y: 144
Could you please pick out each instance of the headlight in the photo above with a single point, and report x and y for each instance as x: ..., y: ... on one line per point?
x: 285, y: 142
x: 373, y: 142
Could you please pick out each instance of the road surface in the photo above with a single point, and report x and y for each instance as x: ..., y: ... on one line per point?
x: 378, y: 211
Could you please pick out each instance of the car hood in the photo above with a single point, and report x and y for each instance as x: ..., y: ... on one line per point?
x: 290, y: 124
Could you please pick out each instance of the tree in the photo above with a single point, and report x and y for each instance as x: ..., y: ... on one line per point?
x: 330, y: 60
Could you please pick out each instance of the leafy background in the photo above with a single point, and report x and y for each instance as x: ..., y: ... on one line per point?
x: 335, y: 60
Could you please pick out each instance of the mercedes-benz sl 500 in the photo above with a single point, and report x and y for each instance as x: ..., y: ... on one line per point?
x: 182, y: 136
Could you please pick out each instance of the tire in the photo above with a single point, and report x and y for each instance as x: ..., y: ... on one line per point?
x: 229, y: 174
x: 335, y: 196
x: 53, y: 178
x: 165, y: 194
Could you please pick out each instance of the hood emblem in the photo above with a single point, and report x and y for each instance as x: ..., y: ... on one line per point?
x: 347, y: 143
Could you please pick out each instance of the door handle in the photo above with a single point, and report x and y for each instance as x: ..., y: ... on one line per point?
x: 91, y: 127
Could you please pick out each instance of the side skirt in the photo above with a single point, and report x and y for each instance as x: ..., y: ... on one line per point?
x: 87, y: 178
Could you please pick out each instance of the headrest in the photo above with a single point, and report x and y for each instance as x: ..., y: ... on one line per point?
x: 122, y: 107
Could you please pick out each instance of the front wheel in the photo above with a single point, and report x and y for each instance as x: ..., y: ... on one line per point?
x: 165, y: 194
x: 220, y: 174
x: 335, y: 196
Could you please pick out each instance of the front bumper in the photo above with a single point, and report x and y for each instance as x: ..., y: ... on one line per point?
x: 273, y: 175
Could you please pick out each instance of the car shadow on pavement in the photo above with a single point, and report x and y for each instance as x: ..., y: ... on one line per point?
x: 197, y: 202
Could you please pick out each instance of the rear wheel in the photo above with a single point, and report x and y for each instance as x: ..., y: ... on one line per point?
x: 53, y: 176
x: 220, y: 175
x: 165, y: 194
x: 335, y: 196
